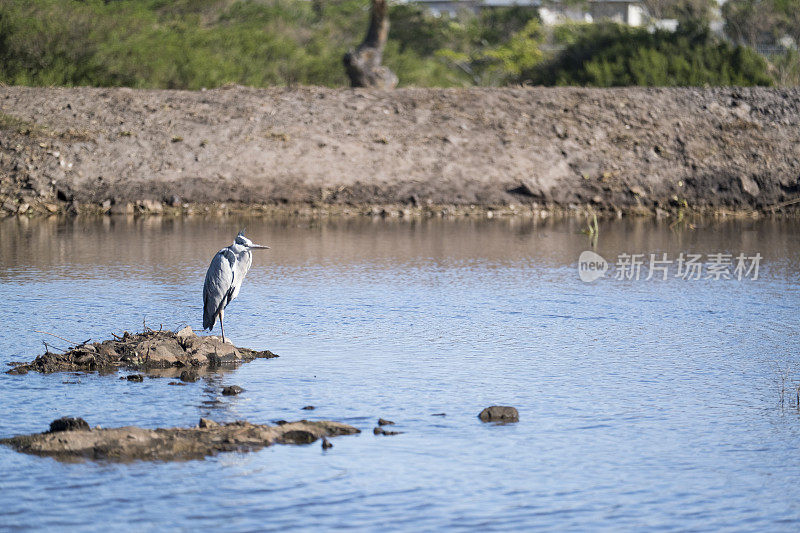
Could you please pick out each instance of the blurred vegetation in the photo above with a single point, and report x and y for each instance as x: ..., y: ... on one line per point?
x: 503, y: 63
x: 785, y: 68
x: 189, y: 44
x: 697, y: 13
x: 173, y: 43
x: 762, y: 22
x: 608, y: 54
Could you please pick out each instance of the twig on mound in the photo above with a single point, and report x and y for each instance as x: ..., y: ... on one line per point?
x: 62, y: 338
x: 47, y: 348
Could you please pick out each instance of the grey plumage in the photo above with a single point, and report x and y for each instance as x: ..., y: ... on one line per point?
x: 224, y: 279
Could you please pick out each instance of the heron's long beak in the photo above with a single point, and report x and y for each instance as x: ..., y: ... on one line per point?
x: 259, y: 247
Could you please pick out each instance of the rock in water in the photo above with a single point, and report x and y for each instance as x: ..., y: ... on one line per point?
x: 381, y: 431
x: 71, y: 438
x: 145, y: 351
x: 189, y: 376
x: 499, y: 413
x: 232, y: 390
x: 207, y: 423
x: 69, y: 424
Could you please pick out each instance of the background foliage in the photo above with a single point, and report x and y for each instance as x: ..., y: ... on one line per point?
x: 189, y: 44
x: 606, y: 55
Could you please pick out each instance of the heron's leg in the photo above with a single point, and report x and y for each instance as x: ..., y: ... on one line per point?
x: 221, y: 326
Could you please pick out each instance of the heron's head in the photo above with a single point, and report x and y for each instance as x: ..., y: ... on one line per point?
x: 241, y: 240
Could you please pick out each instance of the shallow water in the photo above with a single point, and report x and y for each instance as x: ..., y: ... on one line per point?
x: 643, y: 404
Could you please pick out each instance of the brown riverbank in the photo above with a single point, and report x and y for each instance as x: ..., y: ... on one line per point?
x: 314, y: 151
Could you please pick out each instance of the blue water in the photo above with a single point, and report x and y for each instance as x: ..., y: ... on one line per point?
x: 643, y: 404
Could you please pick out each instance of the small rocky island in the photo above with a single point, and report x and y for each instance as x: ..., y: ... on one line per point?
x: 73, y: 439
x: 148, y: 350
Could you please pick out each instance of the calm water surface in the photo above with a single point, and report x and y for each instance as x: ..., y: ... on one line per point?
x: 643, y: 404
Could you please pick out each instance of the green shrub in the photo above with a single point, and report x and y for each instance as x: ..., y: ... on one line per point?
x: 609, y: 54
x: 785, y: 68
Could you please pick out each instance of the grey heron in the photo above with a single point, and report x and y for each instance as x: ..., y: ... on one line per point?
x: 224, y: 279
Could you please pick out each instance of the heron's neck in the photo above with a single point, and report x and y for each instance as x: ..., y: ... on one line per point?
x: 238, y: 249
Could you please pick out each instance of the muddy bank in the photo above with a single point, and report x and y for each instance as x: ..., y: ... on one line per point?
x: 165, y: 353
x: 408, y: 152
x: 71, y: 439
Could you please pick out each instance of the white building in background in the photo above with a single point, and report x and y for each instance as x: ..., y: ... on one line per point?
x: 558, y: 14
x: 631, y: 12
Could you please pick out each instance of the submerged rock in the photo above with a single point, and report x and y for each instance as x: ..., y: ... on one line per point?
x: 381, y: 431
x: 145, y: 351
x: 499, y: 413
x: 189, y: 376
x: 232, y: 390
x: 78, y: 441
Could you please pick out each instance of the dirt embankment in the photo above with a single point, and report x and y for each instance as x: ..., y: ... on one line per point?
x: 316, y: 150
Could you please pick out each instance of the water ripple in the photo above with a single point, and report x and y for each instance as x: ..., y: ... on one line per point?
x: 644, y: 405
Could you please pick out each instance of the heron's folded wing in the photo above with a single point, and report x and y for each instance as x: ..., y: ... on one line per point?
x: 219, y: 280
x: 240, y: 268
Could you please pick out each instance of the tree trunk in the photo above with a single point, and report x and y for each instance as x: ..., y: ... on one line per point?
x: 363, y: 65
